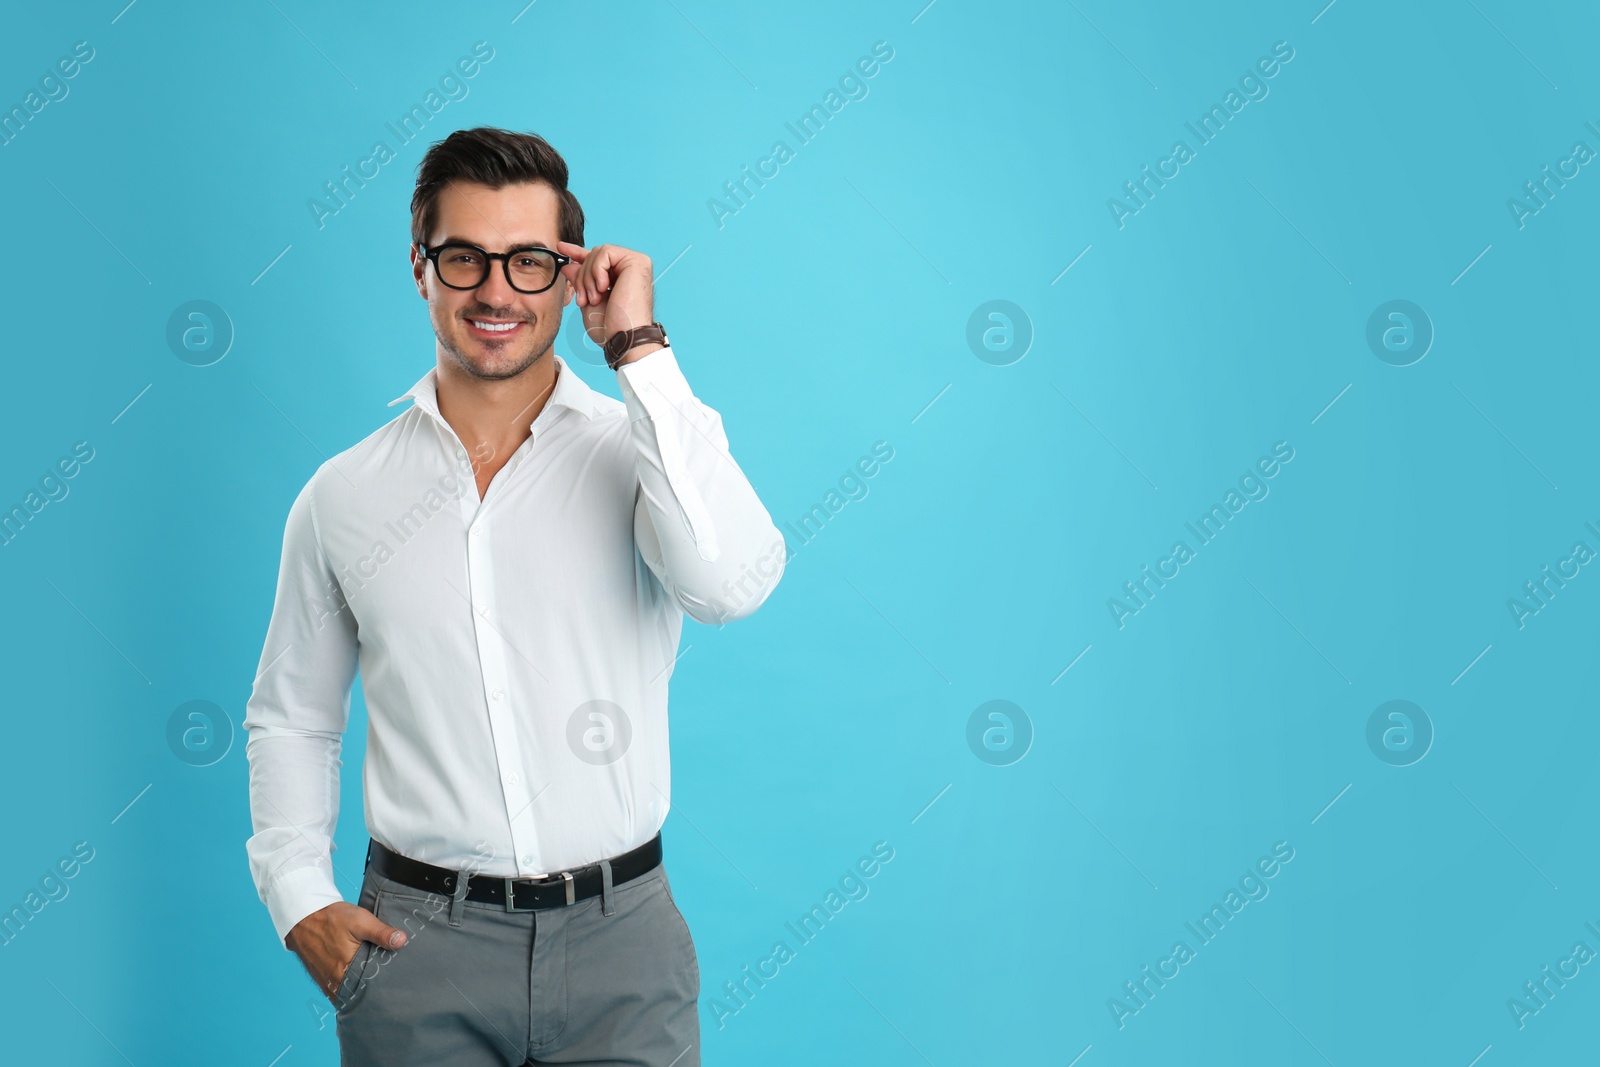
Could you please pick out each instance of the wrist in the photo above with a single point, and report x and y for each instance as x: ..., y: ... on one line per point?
x: 629, y: 346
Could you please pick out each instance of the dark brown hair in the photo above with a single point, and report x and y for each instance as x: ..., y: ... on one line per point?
x: 496, y: 158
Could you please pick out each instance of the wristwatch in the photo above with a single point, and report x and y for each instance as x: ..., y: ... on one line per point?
x: 618, y: 344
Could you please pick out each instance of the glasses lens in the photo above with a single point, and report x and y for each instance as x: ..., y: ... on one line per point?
x: 461, y: 266
x: 532, y: 270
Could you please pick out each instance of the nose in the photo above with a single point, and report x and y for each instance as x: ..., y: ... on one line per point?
x: 496, y: 291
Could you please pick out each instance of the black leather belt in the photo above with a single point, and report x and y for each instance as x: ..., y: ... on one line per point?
x: 516, y: 894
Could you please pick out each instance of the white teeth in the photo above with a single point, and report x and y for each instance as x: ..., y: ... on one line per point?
x: 495, y: 327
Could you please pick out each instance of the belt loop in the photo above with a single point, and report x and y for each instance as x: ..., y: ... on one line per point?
x: 462, y: 879
x: 607, y: 905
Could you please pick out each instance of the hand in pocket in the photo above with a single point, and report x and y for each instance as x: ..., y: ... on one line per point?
x: 329, y: 939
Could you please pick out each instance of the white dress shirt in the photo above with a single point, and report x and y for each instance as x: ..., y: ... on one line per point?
x: 514, y: 651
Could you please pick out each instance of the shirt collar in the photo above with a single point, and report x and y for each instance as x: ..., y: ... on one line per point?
x: 571, y: 391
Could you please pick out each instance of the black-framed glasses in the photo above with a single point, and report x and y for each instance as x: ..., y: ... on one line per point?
x: 531, y: 269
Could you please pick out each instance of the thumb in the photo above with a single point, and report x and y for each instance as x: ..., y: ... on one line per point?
x: 368, y: 927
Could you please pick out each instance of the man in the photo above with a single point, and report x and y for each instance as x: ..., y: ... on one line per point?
x: 508, y: 562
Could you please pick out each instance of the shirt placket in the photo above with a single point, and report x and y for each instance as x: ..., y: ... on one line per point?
x: 493, y: 663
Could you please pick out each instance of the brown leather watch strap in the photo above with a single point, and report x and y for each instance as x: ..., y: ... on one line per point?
x: 618, y: 344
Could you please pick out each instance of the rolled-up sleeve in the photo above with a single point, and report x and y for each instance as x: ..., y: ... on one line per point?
x: 698, y: 523
x: 295, y: 719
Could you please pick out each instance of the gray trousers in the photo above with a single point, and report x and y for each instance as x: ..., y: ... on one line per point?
x: 612, y: 980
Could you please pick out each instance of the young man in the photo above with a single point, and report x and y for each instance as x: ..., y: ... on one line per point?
x: 508, y: 562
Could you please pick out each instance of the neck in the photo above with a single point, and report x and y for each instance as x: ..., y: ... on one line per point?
x: 492, y: 416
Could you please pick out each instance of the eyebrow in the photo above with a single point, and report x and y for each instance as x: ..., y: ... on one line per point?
x: 451, y: 239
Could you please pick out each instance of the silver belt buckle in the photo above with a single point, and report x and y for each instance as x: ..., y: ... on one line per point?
x: 566, y: 877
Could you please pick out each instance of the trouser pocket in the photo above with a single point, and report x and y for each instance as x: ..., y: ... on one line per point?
x: 353, y: 984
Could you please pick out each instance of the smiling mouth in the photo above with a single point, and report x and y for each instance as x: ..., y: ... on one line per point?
x: 495, y: 329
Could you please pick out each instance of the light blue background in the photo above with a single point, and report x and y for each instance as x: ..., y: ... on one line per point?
x: 824, y: 317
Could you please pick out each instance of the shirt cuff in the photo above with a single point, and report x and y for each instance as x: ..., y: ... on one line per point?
x: 652, y: 375
x: 293, y: 896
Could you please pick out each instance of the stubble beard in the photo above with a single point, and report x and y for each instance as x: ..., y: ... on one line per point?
x: 539, y: 343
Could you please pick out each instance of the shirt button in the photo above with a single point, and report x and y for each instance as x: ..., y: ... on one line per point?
x: 484, y: 611
x: 498, y: 694
x: 527, y: 861
x: 476, y: 530
x: 512, y: 778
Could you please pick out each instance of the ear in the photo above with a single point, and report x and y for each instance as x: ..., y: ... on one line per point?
x: 419, y: 271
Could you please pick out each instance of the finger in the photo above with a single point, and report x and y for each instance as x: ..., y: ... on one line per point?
x: 330, y: 985
x: 573, y: 272
x: 585, y: 276
x: 368, y: 927
x: 598, y: 275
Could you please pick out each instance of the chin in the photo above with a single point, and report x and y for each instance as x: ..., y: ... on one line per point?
x: 497, y: 362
